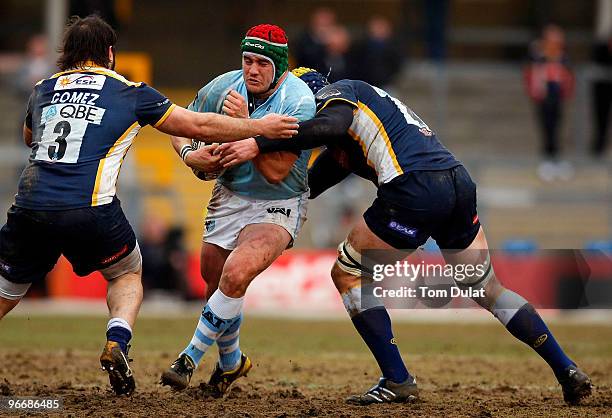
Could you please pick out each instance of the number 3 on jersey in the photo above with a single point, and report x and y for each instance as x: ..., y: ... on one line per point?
x: 57, y: 152
x: 63, y: 128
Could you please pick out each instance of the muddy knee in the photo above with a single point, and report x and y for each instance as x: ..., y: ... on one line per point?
x: 234, y: 280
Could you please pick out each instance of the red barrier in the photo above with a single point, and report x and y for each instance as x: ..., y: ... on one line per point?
x: 300, y: 279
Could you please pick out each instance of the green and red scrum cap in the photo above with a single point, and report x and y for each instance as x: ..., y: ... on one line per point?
x: 269, y: 42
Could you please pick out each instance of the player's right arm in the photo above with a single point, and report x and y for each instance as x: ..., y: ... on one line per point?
x: 202, y: 159
x: 324, y: 129
x: 153, y: 108
x: 221, y: 128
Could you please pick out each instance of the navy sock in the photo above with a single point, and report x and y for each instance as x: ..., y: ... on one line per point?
x: 527, y: 326
x: 120, y: 335
x: 374, y: 326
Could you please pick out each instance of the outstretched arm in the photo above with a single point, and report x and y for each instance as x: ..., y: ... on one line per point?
x: 324, y: 129
x: 219, y: 128
x: 331, y: 122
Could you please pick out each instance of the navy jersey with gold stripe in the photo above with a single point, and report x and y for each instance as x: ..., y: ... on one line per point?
x: 392, y: 139
x: 83, y: 122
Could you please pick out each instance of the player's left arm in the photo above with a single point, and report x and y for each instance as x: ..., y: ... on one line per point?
x: 27, y: 123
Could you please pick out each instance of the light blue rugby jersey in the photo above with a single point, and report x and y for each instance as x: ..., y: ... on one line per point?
x: 292, y: 98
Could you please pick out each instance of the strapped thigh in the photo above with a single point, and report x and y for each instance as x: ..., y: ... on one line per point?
x: 132, y: 263
x: 12, y: 291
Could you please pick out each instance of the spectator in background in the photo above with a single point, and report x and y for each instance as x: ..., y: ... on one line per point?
x: 310, y: 49
x: 549, y: 83
x: 378, y: 57
x: 164, y: 259
x: 103, y: 8
x: 435, y: 27
x: 36, y: 66
x: 602, y: 95
x: 338, y: 57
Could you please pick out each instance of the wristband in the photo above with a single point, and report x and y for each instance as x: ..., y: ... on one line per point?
x: 185, y: 150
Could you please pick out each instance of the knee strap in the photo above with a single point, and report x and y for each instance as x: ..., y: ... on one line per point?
x: 349, y: 260
x: 479, y: 281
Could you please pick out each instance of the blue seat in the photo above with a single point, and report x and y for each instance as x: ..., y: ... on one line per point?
x: 430, y: 246
x: 599, y: 245
x: 519, y: 246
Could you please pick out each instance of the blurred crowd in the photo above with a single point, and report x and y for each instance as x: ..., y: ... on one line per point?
x: 328, y: 47
x: 164, y: 259
x: 550, y: 82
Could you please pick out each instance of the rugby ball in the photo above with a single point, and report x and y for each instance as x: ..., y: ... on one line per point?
x: 201, y: 174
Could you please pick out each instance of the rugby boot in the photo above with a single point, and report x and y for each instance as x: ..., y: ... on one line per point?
x: 576, y: 385
x: 116, y: 363
x: 386, y: 391
x: 220, y: 380
x: 179, y: 374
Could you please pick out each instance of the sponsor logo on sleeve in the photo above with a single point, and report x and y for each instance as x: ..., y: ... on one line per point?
x: 426, y: 132
x: 328, y: 93
x: 80, y: 81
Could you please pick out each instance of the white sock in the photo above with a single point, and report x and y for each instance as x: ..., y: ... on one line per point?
x: 118, y: 322
x: 224, y: 306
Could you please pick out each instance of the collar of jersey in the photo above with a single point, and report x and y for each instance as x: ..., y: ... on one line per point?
x: 91, y: 67
x: 87, y: 66
x: 280, y: 87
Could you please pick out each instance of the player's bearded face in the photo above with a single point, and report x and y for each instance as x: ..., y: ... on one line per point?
x: 258, y: 73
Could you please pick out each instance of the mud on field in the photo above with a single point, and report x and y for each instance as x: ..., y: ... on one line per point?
x: 451, y: 386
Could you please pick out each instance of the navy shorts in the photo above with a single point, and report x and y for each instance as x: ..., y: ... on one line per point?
x: 91, y: 238
x: 411, y: 208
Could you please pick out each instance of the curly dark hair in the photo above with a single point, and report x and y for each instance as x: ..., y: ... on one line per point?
x: 86, y: 40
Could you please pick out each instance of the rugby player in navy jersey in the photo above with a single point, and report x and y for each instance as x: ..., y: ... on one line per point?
x: 423, y: 191
x: 80, y: 124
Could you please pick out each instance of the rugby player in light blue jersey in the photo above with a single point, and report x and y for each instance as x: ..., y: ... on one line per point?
x: 423, y: 191
x: 80, y: 124
x: 257, y: 208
